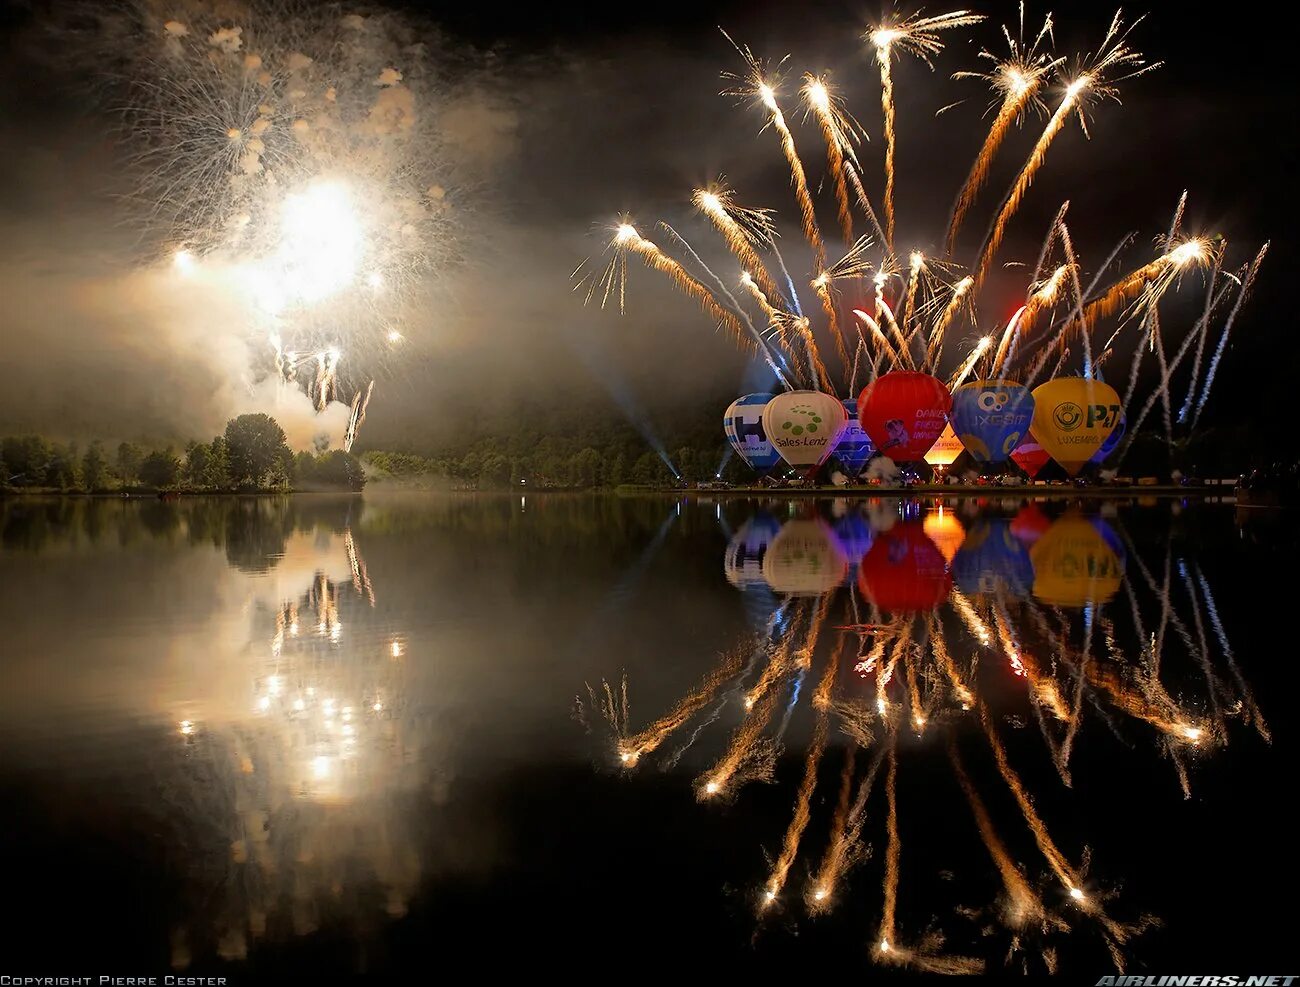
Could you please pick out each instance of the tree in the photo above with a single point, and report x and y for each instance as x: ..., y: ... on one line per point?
x: 160, y: 469
x: 217, y: 475
x: 340, y: 470
x: 94, y: 467
x: 256, y: 447
x: 198, y: 457
x: 26, y: 458
x: 129, y: 457
x: 61, y: 470
x: 586, y: 467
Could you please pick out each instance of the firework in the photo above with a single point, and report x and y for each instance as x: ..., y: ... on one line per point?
x: 1016, y: 80
x: 917, y: 36
x: 1090, y: 82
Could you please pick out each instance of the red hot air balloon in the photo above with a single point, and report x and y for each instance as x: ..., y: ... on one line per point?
x: 904, y: 412
x: 904, y: 572
x: 1030, y: 456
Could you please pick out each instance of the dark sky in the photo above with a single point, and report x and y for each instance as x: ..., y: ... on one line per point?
x: 616, y: 108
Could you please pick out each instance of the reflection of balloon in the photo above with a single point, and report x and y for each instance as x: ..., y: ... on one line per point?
x: 743, y: 424
x: 855, y: 536
x: 904, y: 412
x: 904, y: 571
x: 1030, y: 456
x: 743, y: 563
x: 993, y: 560
x: 945, y: 531
x: 1030, y: 524
x: 991, y: 417
x: 804, y: 560
x: 945, y: 449
x: 1073, y: 564
x: 804, y: 426
x: 854, y: 447
x: 1073, y: 416
x: 1112, y: 440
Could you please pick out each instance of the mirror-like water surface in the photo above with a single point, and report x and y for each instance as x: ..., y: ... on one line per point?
x: 719, y: 735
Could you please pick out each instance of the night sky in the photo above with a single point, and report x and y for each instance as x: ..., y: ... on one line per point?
x: 598, y: 111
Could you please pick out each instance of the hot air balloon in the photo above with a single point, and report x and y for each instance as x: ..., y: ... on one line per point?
x: 991, y: 417
x: 855, y: 536
x: 945, y: 531
x: 904, y: 572
x: 743, y: 424
x: 945, y: 450
x: 804, y: 427
x: 1030, y: 456
x: 743, y: 563
x: 854, y: 447
x: 1073, y: 564
x: 1030, y: 524
x: 993, y: 559
x: 1112, y: 441
x: 903, y: 412
x: 1073, y: 416
x: 804, y: 560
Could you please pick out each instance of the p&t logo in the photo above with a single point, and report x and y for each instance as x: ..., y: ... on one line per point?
x: 1067, y: 416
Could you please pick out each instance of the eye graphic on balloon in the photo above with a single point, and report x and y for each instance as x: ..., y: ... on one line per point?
x: 1067, y: 415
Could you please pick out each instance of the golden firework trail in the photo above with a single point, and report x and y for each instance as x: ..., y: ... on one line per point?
x: 839, y: 131
x: 1089, y: 82
x: 631, y: 749
x: 357, y: 417
x: 970, y: 616
x: 1008, y: 334
x: 819, y: 895
x: 915, y: 266
x: 1024, y: 904
x: 887, y: 940
x: 741, y: 229
x: 628, y: 239
x: 944, y: 660
x: 903, y: 350
x: 802, y: 813
x: 756, y: 85
x: 960, y: 297
x: 917, y: 36
x: 859, y: 193
x: 967, y: 365
x: 845, y: 847
x: 360, y: 580
x: 1247, y: 284
x: 327, y: 365
x: 1017, y: 80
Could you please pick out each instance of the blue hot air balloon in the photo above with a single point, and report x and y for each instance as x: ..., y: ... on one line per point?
x: 854, y: 447
x: 743, y: 424
x: 743, y: 563
x: 1112, y: 440
x: 993, y: 560
x: 991, y: 417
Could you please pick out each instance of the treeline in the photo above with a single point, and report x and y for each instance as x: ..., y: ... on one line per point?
x: 250, y: 455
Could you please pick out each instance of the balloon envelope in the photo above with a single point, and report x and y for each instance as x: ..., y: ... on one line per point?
x: 1030, y: 456
x: 804, y: 560
x: 945, y: 531
x: 854, y: 447
x: 1074, y: 565
x: 903, y: 412
x: 804, y: 426
x: 855, y: 536
x: 1112, y: 440
x: 946, y: 449
x: 904, y: 571
x: 993, y: 560
x: 1073, y: 416
x: 991, y: 417
x: 743, y: 563
x: 1030, y: 524
x: 743, y: 423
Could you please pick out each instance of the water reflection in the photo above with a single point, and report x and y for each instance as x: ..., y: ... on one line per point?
x: 902, y: 628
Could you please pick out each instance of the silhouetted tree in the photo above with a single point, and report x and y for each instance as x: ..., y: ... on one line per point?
x: 94, y: 467
x: 257, y: 450
x: 129, y: 458
x: 160, y: 469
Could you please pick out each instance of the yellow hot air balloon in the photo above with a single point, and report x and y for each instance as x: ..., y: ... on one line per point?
x: 947, y: 447
x: 1073, y: 416
x: 804, y: 560
x: 1074, y: 565
x: 945, y: 531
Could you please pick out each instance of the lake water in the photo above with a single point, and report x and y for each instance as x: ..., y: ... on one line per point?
x: 617, y: 735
